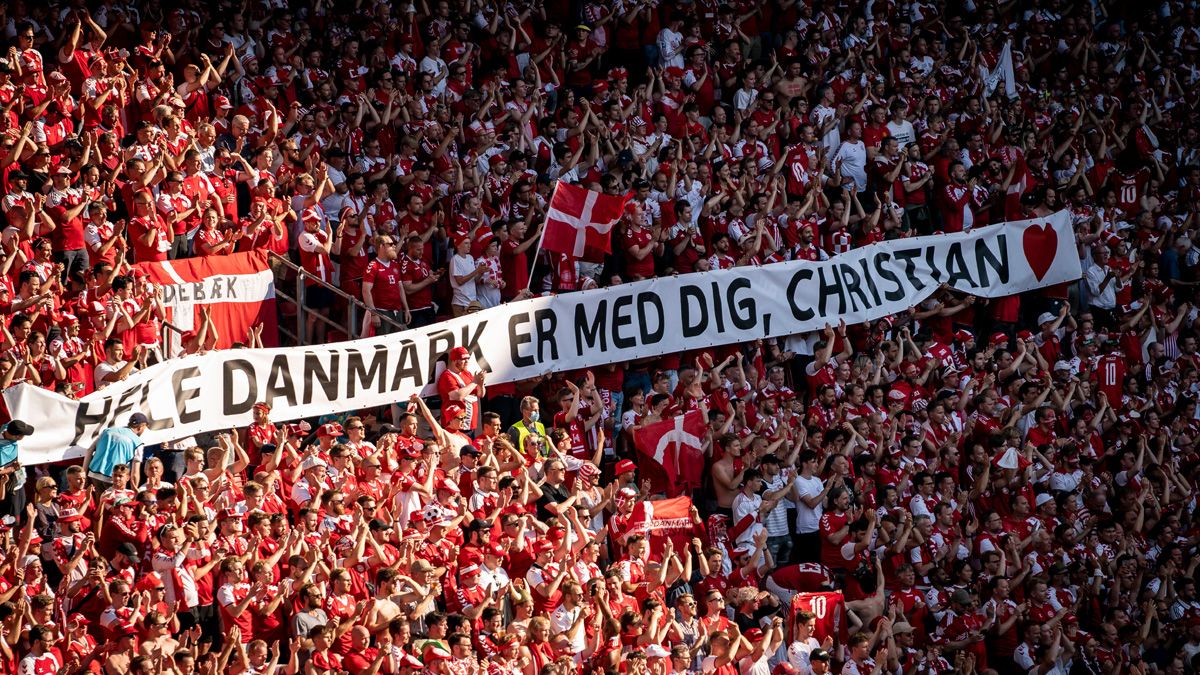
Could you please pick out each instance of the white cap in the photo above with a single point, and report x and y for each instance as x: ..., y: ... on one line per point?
x: 1046, y: 317
x: 312, y: 461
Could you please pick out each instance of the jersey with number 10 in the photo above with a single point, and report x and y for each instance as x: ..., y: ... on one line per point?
x: 1110, y: 376
x: 829, y: 610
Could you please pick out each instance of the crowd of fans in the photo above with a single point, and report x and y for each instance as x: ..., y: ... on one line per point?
x: 994, y: 486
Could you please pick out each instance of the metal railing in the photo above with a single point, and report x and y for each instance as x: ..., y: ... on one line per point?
x: 296, y: 299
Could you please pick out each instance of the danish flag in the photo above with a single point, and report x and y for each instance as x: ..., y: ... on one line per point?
x: 579, y: 222
x: 676, y: 446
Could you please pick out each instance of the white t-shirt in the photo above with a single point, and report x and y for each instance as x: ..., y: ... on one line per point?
x: 465, y: 294
x: 808, y: 520
x: 798, y: 655
x: 670, y: 44
x: 747, y: 505
x: 853, y: 156
x: 434, y: 66
x: 821, y: 115
x: 561, y: 621
x: 104, y: 369
x: 760, y: 667
x: 902, y: 132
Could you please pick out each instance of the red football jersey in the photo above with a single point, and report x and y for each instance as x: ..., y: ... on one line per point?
x: 830, y: 611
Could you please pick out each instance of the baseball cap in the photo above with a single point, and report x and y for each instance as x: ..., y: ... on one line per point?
x: 1045, y: 317
x: 459, y: 353
x: 69, y: 516
x: 222, y: 103
x: 151, y: 580
x: 330, y: 429
x: 624, y: 466
x: 312, y: 461
x: 19, y: 428
x: 452, y: 410
x: 655, y: 651
x: 138, y: 418
x: 129, y: 551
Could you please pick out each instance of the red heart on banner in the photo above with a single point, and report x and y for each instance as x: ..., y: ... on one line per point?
x: 1041, y: 245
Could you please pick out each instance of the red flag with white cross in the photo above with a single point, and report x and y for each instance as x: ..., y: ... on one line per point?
x: 579, y: 222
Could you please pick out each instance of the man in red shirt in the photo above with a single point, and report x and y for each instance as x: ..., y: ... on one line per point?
x: 364, y: 658
x: 457, y: 385
x: 1043, y: 433
x: 43, y: 657
x: 383, y: 287
x: 416, y: 278
x: 514, y: 266
x: 315, y: 244
x: 150, y: 235
x: 234, y: 597
x: 955, y: 203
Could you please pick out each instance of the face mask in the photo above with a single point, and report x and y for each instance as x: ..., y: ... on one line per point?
x: 535, y: 416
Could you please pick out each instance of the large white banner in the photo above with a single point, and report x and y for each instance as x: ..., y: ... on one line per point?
x: 524, y: 339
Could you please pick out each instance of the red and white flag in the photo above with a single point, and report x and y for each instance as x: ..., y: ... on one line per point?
x: 676, y: 447
x: 579, y: 222
x: 664, y: 519
x: 238, y: 290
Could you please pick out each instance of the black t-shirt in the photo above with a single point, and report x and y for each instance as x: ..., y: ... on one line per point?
x: 551, y: 495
